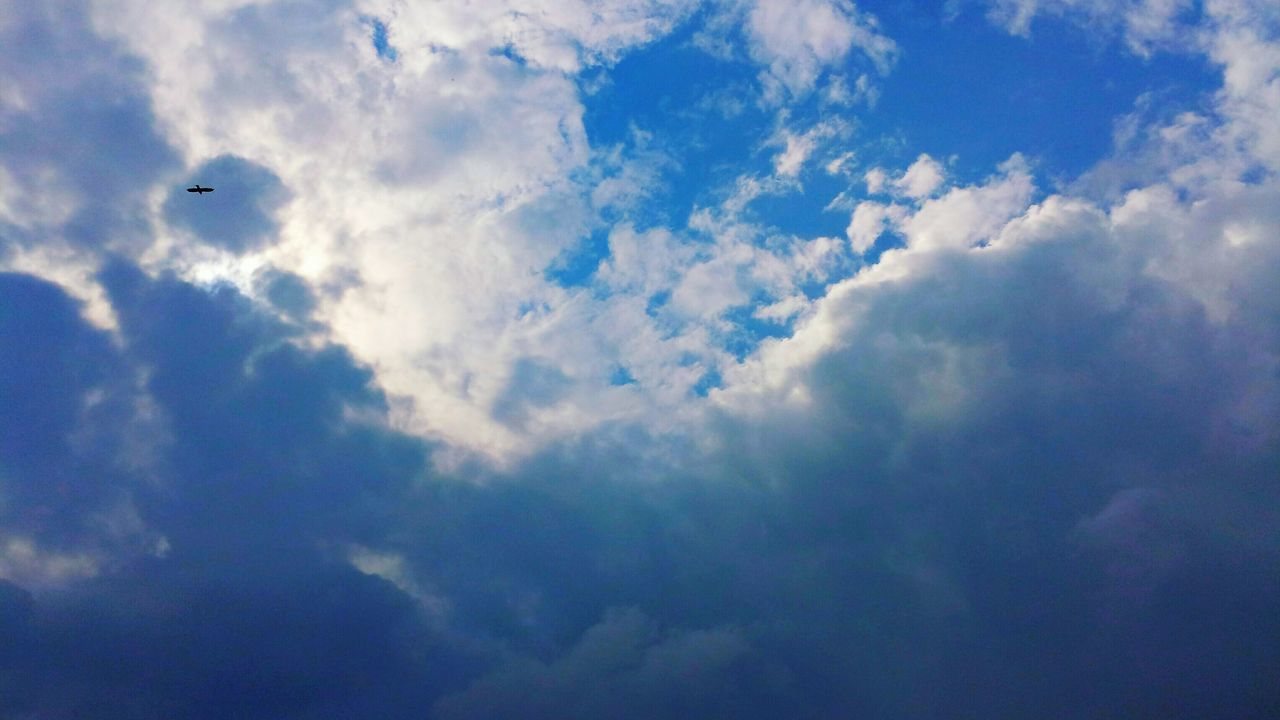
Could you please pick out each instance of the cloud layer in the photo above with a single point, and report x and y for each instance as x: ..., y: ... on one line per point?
x: 341, y: 439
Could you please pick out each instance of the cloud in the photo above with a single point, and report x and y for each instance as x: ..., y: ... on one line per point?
x: 65, y: 506
x: 798, y: 147
x: 963, y: 216
x: 532, y: 386
x: 1039, y: 420
x: 1036, y: 391
x: 1146, y: 25
x: 869, y: 221
x: 921, y: 178
x: 239, y: 215
x: 623, y: 667
x: 875, y: 178
x: 561, y: 36
x: 79, y: 142
x: 262, y: 454
x: 320, y: 642
x: 793, y: 156
x: 289, y: 293
x: 797, y: 41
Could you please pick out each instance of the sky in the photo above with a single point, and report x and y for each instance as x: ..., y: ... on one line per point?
x: 566, y: 359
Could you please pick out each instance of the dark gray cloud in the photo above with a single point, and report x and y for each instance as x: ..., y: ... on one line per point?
x: 67, y: 406
x: 1033, y: 483
x: 1028, y: 441
x: 248, y: 608
x: 239, y: 215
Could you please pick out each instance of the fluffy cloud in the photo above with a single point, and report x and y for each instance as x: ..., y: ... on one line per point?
x: 869, y: 221
x: 428, y: 193
x: 798, y: 147
x: 921, y: 178
x: 799, y: 40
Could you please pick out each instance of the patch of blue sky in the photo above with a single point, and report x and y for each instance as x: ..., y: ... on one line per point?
x: 509, y: 52
x: 1254, y: 175
x: 710, y: 380
x: 804, y: 212
x: 576, y: 266
x: 621, y: 376
x: 965, y: 88
x: 378, y: 35
x: 657, y: 302
x: 746, y: 331
x: 884, y: 243
x: 700, y: 109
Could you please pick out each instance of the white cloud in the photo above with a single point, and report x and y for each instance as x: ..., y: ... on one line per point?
x: 1194, y: 225
x: 1145, y: 24
x: 869, y: 220
x: 921, y: 179
x: 798, y: 39
x: 966, y: 215
x: 840, y: 164
x: 783, y: 310
x: 918, y: 181
x: 643, y: 262
x: 629, y: 175
x: 437, y: 187
x: 28, y: 565
x: 792, y: 158
x: 562, y: 36
x: 797, y: 148
x: 876, y: 178
x: 393, y: 568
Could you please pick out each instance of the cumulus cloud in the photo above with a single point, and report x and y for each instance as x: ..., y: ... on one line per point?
x: 917, y: 182
x: 561, y: 36
x: 798, y: 147
x: 921, y: 178
x: 869, y: 220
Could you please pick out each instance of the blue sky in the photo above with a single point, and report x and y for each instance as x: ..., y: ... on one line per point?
x: 639, y: 358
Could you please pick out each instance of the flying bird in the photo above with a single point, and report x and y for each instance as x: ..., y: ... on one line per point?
x: 198, y: 189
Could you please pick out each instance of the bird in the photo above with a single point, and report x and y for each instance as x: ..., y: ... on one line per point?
x: 198, y: 189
